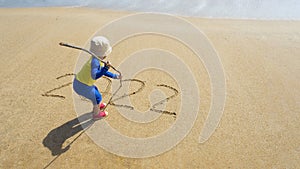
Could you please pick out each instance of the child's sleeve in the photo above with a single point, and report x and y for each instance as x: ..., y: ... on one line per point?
x: 96, y: 70
x: 111, y: 75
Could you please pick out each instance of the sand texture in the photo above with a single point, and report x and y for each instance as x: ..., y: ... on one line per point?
x: 259, y: 127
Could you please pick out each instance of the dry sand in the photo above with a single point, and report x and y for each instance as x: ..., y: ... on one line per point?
x: 259, y: 128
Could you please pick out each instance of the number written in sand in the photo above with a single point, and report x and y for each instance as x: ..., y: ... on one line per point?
x: 153, y: 108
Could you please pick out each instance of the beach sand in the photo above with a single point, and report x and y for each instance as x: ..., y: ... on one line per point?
x: 259, y: 127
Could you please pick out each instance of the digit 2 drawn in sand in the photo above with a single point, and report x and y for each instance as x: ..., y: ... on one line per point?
x: 128, y: 94
x: 48, y: 93
x: 165, y: 100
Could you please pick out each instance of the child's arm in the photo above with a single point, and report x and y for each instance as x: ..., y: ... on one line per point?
x: 111, y: 75
x: 97, y: 71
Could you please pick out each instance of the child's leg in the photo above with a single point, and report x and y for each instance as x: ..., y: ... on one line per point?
x: 96, y: 100
x: 98, y: 96
x: 97, y: 113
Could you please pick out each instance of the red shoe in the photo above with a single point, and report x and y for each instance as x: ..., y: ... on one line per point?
x: 102, y: 106
x: 100, y: 115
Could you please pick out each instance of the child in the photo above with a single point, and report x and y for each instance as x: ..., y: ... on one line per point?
x: 91, y: 71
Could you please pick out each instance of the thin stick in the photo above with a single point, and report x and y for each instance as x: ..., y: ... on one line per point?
x: 109, y: 101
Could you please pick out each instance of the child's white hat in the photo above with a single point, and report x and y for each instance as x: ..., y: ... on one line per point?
x: 100, y: 46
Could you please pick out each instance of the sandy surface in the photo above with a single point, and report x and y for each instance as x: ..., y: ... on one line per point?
x: 259, y: 128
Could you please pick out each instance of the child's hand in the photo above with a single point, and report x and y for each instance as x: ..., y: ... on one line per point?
x: 107, y: 64
x: 119, y: 77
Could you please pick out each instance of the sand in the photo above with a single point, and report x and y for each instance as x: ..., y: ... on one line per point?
x: 259, y: 127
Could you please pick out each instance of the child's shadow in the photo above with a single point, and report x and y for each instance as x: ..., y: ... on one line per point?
x: 56, y: 137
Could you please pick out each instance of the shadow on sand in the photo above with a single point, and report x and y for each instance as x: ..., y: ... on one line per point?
x: 55, y: 139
